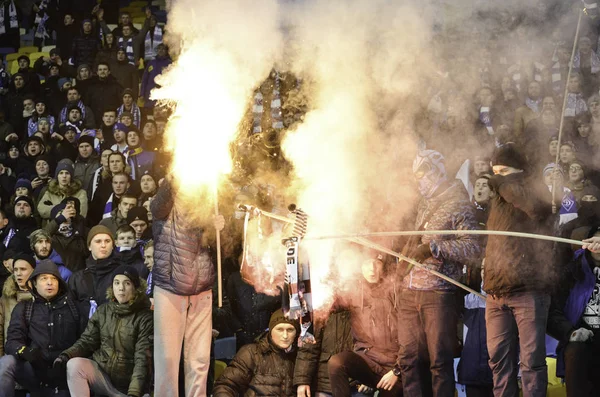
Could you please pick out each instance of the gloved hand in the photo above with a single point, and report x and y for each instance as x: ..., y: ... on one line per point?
x: 494, y: 182
x: 60, y: 364
x: 31, y: 354
x: 581, y: 335
x: 421, y: 253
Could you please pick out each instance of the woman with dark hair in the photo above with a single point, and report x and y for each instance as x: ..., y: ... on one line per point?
x: 40, y: 113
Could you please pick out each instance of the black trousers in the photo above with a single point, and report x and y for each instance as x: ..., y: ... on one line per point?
x: 347, y: 365
x: 582, y: 368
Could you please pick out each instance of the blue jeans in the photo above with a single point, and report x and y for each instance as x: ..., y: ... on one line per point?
x: 517, y: 322
x: 427, y: 333
x: 13, y: 370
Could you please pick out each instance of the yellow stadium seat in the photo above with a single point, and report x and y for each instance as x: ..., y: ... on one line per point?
x: 138, y: 4
x: 28, y: 49
x: 112, y: 26
x: 37, y: 55
x: 138, y: 26
x: 48, y: 48
x: 219, y: 368
x: 12, y: 57
x: 22, y: 31
x: 14, y: 67
x: 141, y: 20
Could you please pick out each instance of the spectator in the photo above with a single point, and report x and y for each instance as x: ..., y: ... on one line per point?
x: 127, y: 119
x: 65, y: 35
x: 64, y: 185
x: 129, y: 106
x: 85, y: 45
x: 15, y: 289
x: 74, y: 99
x: 152, y: 142
x: 6, y: 130
x: 40, y: 329
x: 148, y: 187
x: 140, y: 161
x: 64, y: 143
x: 151, y: 36
x: 128, y: 315
x: 32, y: 81
x: 104, y: 91
x: 111, y: 190
x: 118, y: 216
x: 129, y: 252
x: 42, y: 177
x: 41, y: 112
x: 137, y: 218
x: 87, y: 162
x: 120, y: 135
x: 56, y: 97
x: 89, y: 285
x: 14, y: 108
x: 529, y: 111
x: 109, y: 118
x: 177, y: 246
x: 108, y: 52
x: 127, y: 41
x: 100, y: 173
x: 41, y: 246
x: 575, y: 103
x: 517, y: 207
x: 124, y: 21
x: 84, y: 79
x: 21, y: 226
x: 127, y: 75
x: 75, y: 119
x: 10, y: 26
x: 153, y: 69
x: 68, y: 233
x: 265, y: 367
x: 42, y: 25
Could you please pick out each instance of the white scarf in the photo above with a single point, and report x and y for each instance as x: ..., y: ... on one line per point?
x: 151, y: 41
x: 12, y: 15
x: 128, y: 46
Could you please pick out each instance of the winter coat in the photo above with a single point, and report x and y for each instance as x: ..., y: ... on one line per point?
x: 568, y: 305
x: 54, y: 195
x: 53, y: 325
x: 85, y: 169
x: 103, y: 94
x: 21, y: 229
x: 473, y: 368
x: 133, y: 257
x: 65, y: 273
x: 514, y: 264
x: 84, y: 49
x: 182, y: 265
x: 65, y: 34
x: 91, y: 283
x: 114, y: 221
x: 127, y: 75
x: 119, y: 337
x: 141, y: 163
x: 452, y: 210
x: 258, y: 369
x: 252, y: 309
x: 154, y: 68
x: 73, y: 250
x: 333, y: 338
x: 11, y: 295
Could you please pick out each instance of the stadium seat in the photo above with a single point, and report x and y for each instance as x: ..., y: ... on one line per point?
x: 12, y: 57
x: 22, y: 31
x: 138, y: 26
x: 225, y: 348
x: 48, y: 48
x: 219, y: 368
x: 112, y: 26
x: 139, y: 20
x: 14, y: 67
x: 37, y: 55
x: 28, y: 49
x: 138, y: 4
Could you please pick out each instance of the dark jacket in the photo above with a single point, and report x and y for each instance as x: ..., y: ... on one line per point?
x: 92, y: 282
x: 84, y: 170
x: 119, y: 337
x: 515, y: 264
x: 103, y: 94
x: 73, y: 250
x: 52, y: 326
x: 65, y: 35
x: 182, y: 265
x: 258, y: 369
x: 311, y: 363
x: 133, y: 257
x: 84, y: 49
x: 141, y: 163
x: 127, y: 75
x: 22, y: 228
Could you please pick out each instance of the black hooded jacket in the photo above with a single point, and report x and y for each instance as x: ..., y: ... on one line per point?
x: 48, y: 325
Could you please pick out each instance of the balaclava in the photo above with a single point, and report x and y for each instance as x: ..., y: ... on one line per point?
x: 435, y: 171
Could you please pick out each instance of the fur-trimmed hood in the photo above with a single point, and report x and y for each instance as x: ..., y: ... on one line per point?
x: 139, y: 302
x: 70, y: 190
x: 10, y: 290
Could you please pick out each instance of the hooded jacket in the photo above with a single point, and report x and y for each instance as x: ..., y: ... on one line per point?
x: 11, y: 295
x: 54, y: 195
x: 73, y: 250
x: 17, y: 233
x: 182, y: 265
x: 92, y: 282
x: 119, y: 337
x: 258, y: 369
x: 103, y: 94
x: 85, y: 169
x: 53, y: 325
x: 515, y: 264
x: 84, y: 49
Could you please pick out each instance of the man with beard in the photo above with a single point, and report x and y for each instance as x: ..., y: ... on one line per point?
x: 23, y: 224
x: 41, y: 244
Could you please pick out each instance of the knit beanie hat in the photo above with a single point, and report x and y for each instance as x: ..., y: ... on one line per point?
x: 127, y: 91
x: 82, y: 66
x: 508, y: 155
x: 38, y: 235
x: 99, y: 229
x: 86, y: 139
x: 43, y: 157
x: 130, y: 272
x: 552, y: 167
x: 137, y: 214
x: 279, y: 318
x: 121, y: 127
x: 24, y: 57
x: 62, y: 81
x: 64, y: 165
x: 25, y: 257
x: 22, y: 182
x: 27, y: 199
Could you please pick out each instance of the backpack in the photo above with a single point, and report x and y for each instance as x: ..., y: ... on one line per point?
x: 29, y: 310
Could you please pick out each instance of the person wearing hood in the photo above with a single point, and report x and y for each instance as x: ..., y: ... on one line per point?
x: 21, y: 226
x: 104, y: 91
x: 32, y: 80
x: 87, y: 162
x: 126, y: 74
x: 74, y: 99
x: 40, y: 329
x: 40, y: 243
x: 16, y: 288
x: 266, y: 367
x: 153, y: 69
x: 121, y: 328
x: 68, y: 233
x: 85, y: 46
x: 83, y: 78
x: 574, y: 320
x: 64, y: 185
x: 89, y: 285
x: 438, y: 209
x: 518, y: 276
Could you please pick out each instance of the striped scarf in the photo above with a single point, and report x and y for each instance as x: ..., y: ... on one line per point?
x: 486, y: 119
x: 128, y: 46
x: 108, y: 207
x: 151, y: 41
x: 594, y: 62
x: 538, y: 70
x: 135, y: 112
x: 41, y: 17
x: 575, y: 105
x: 132, y: 160
x: 258, y: 108
x: 11, y: 233
x: 12, y: 15
x: 533, y: 105
x: 557, y: 85
x: 515, y: 73
x: 64, y: 115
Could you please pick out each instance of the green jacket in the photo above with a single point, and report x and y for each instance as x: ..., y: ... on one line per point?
x: 119, y: 337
